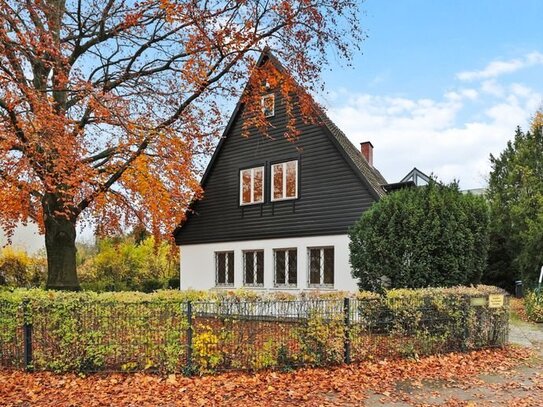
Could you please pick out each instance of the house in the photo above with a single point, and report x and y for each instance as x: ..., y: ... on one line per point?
x: 25, y: 237
x: 276, y: 212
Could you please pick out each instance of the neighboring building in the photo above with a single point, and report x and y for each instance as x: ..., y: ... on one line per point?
x: 275, y: 213
x: 25, y: 237
x: 417, y: 177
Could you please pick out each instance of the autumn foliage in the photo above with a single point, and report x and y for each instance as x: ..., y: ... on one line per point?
x: 342, y: 386
x: 107, y: 108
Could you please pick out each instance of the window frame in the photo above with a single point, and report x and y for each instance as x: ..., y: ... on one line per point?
x: 255, y: 271
x: 272, y: 180
x: 263, y: 105
x: 226, y: 253
x: 286, y: 284
x: 321, y: 283
x: 252, y: 169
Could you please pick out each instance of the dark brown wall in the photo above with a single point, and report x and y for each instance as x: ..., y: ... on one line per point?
x: 331, y: 195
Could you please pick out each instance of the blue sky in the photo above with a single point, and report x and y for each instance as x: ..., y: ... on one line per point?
x: 440, y: 84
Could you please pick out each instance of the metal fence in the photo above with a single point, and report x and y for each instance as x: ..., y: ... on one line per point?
x: 211, y: 336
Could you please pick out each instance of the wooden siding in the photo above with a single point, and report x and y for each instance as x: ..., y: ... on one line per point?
x: 331, y: 194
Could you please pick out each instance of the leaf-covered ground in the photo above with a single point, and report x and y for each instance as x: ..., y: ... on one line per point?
x: 404, y: 382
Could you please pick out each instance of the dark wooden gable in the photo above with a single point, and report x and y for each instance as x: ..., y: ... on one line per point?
x: 333, y: 185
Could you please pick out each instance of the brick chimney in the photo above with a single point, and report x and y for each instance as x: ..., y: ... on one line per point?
x: 366, y: 148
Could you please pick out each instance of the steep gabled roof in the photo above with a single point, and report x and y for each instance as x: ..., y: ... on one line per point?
x: 414, y: 175
x: 369, y: 174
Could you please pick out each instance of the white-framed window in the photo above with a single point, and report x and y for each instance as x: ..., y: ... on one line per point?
x: 251, y: 186
x: 321, y: 266
x: 253, y: 268
x: 286, y: 267
x: 284, y: 183
x: 224, y: 268
x: 267, y: 102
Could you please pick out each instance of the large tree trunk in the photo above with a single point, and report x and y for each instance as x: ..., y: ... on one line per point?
x: 60, y: 236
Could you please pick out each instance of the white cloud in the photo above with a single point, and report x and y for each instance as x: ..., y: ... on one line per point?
x: 451, y: 136
x: 498, y: 68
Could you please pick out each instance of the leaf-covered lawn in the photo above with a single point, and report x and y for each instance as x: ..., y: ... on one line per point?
x: 345, y: 385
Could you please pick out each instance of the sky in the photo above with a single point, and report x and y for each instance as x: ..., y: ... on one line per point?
x: 440, y: 85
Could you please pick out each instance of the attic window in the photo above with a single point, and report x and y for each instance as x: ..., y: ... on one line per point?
x: 267, y: 102
x: 251, y: 189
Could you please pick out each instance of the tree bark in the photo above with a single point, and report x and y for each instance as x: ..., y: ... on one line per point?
x: 60, y: 234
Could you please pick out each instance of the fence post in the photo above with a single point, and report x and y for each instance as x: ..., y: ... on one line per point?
x: 346, y: 330
x: 465, y: 315
x: 189, y: 339
x: 27, y: 335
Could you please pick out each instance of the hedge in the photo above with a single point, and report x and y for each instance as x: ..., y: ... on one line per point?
x: 533, y: 304
x: 128, y: 331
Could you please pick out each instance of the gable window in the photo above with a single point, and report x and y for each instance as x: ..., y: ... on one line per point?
x: 251, y: 189
x: 253, y: 268
x: 224, y: 268
x: 285, y: 180
x: 267, y: 102
x: 286, y: 267
x: 321, y: 267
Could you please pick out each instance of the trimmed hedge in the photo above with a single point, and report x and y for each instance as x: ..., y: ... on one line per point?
x: 429, y: 236
x: 241, y: 329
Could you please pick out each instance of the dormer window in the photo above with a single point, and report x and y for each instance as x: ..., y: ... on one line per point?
x: 267, y: 103
x: 251, y: 190
x: 284, y: 181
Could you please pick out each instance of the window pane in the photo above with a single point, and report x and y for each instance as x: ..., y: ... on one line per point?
x: 230, y: 278
x: 268, y: 105
x: 278, y: 181
x: 292, y: 267
x: 280, y: 267
x: 291, y: 179
x: 329, y: 266
x: 315, y: 266
x: 260, y: 267
x: 246, y: 186
x: 257, y: 184
x: 249, y: 268
x: 221, y: 267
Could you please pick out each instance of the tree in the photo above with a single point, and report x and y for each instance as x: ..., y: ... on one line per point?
x: 106, y: 107
x: 430, y: 236
x: 516, y: 200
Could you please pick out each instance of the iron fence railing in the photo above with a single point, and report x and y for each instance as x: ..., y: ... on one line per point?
x: 210, y: 336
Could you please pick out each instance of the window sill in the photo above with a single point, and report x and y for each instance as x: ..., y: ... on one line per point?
x: 283, y: 199
x: 251, y: 204
x: 321, y: 287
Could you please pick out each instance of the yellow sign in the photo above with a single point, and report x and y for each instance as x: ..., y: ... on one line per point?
x: 478, y: 302
x: 495, y: 300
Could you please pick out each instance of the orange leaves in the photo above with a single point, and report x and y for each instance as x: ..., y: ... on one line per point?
x: 345, y: 385
x: 115, y: 108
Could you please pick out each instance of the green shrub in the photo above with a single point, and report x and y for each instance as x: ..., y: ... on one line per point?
x: 19, y: 269
x: 533, y: 303
x: 127, y: 264
x: 174, y: 283
x: 431, y: 236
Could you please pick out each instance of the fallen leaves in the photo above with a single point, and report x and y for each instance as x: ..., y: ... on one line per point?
x: 343, y: 385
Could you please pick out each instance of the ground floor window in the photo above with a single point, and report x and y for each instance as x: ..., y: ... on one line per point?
x: 286, y: 267
x: 253, y: 268
x: 321, y: 266
x: 224, y: 268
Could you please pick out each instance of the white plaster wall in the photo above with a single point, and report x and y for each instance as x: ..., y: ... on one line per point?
x: 25, y: 238
x: 198, y: 262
